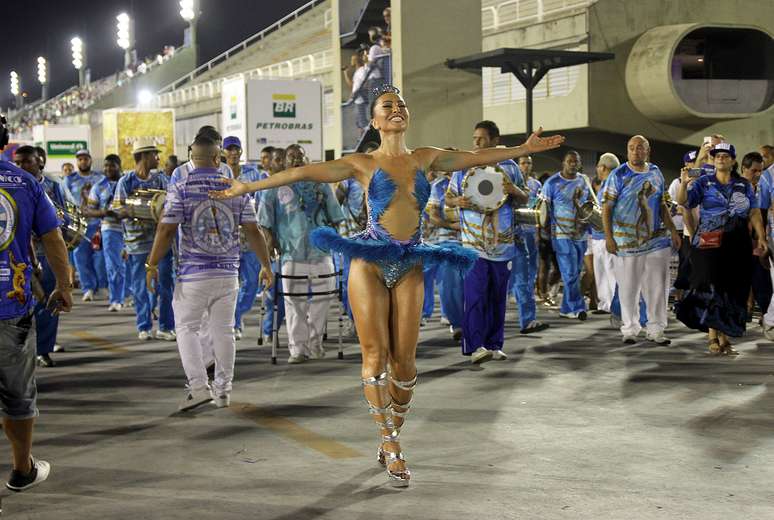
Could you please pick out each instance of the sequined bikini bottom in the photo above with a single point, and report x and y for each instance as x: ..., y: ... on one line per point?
x: 394, y: 258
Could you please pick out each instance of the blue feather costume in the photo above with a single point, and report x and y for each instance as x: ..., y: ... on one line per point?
x: 376, y: 245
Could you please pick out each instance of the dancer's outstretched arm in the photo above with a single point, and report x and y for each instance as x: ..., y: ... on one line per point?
x: 330, y: 171
x: 447, y: 160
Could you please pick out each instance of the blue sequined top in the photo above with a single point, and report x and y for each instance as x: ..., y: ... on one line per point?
x: 376, y: 244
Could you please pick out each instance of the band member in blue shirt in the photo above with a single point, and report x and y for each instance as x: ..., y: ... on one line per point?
x: 565, y: 192
x: 493, y: 237
x: 249, y: 267
x: 640, y: 232
x: 99, y: 205
x: 24, y: 210
x: 46, y: 322
x: 138, y: 239
x: 88, y: 263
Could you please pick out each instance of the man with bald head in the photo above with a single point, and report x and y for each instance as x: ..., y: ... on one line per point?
x: 208, y: 267
x: 639, y: 232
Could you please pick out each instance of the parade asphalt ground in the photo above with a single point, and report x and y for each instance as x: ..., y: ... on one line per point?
x: 573, y: 425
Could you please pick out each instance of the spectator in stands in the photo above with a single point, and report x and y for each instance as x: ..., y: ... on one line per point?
x: 378, y: 70
x: 387, y: 14
x: 288, y: 214
x: 359, y: 89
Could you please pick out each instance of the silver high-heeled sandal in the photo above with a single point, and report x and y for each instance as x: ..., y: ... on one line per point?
x: 383, y: 456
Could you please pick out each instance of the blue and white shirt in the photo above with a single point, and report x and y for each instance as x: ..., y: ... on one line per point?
x: 437, y: 203
x: 250, y: 173
x: 24, y: 209
x: 209, y: 229
x: 353, y: 205
x: 720, y: 203
x: 533, y: 188
x: 564, y: 197
x: 491, y: 235
x: 636, y: 199
x: 138, y: 234
x: 101, y: 197
x: 292, y: 212
x: 57, y: 194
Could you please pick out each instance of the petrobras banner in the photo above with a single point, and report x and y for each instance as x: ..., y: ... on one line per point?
x: 281, y: 113
x: 234, y: 109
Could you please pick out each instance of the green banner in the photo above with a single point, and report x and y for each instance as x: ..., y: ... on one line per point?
x: 64, y: 148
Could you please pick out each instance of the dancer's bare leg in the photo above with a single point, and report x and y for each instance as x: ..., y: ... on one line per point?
x: 405, y: 313
x: 369, y: 300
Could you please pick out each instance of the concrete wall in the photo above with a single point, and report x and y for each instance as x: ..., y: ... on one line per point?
x: 444, y: 104
x: 614, y: 26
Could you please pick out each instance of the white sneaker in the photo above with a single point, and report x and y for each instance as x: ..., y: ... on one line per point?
x: 768, y: 332
x: 237, y: 334
x: 317, y: 354
x: 499, y: 355
x: 114, y: 307
x: 481, y: 355
x: 165, y: 335
x: 20, y: 482
x: 88, y: 296
x: 658, y: 339
x: 267, y: 340
x: 195, y: 398
x: 569, y: 315
x: 615, y: 321
x: 222, y: 400
x: 58, y: 348
x: 296, y: 360
x: 629, y: 340
x: 144, y: 335
x: 445, y: 321
x: 423, y: 322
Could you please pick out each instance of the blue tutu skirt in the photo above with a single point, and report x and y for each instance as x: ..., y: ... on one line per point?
x: 393, y: 257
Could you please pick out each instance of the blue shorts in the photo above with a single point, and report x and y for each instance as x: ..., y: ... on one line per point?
x: 18, y: 393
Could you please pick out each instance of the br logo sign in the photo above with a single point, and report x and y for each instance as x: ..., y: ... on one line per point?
x: 284, y: 105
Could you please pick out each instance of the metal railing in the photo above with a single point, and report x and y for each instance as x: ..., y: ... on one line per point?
x: 302, y: 66
x: 494, y: 17
x: 220, y: 58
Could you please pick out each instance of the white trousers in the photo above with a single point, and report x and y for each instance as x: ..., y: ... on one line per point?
x: 768, y: 318
x: 215, y: 300
x: 604, y: 277
x: 306, y: 316
x: 647, y: 274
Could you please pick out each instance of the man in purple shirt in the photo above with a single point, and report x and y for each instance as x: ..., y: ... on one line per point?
x: 208, y: 267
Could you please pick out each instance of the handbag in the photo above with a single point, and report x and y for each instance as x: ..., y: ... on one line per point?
x: 710, y: 239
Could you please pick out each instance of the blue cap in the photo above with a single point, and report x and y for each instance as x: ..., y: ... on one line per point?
x: 232, y: 140
x: 689, y: 156
x: 82, y: 152
x: 723, y: 147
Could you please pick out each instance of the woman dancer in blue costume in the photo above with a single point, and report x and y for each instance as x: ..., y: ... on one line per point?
x: 385, y: 279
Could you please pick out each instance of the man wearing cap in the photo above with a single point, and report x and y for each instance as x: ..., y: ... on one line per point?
x: 637, y: 230
x: 249, y: 267
x: 208, y: 232
x: 138, y: 239
x: 25, y: 210
x: 604, y: 277
x: 88, y: 263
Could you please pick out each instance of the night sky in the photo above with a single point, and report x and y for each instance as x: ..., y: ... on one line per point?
x: 32, y: 28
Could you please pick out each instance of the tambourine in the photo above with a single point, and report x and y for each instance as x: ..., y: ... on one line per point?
x: 484, y: 188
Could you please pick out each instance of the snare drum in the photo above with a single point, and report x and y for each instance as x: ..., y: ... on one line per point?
x: 484, y: 188
x: 146, y: 204
x: 589, y: 213
x: 74, y: 224
x: 537, y: 216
